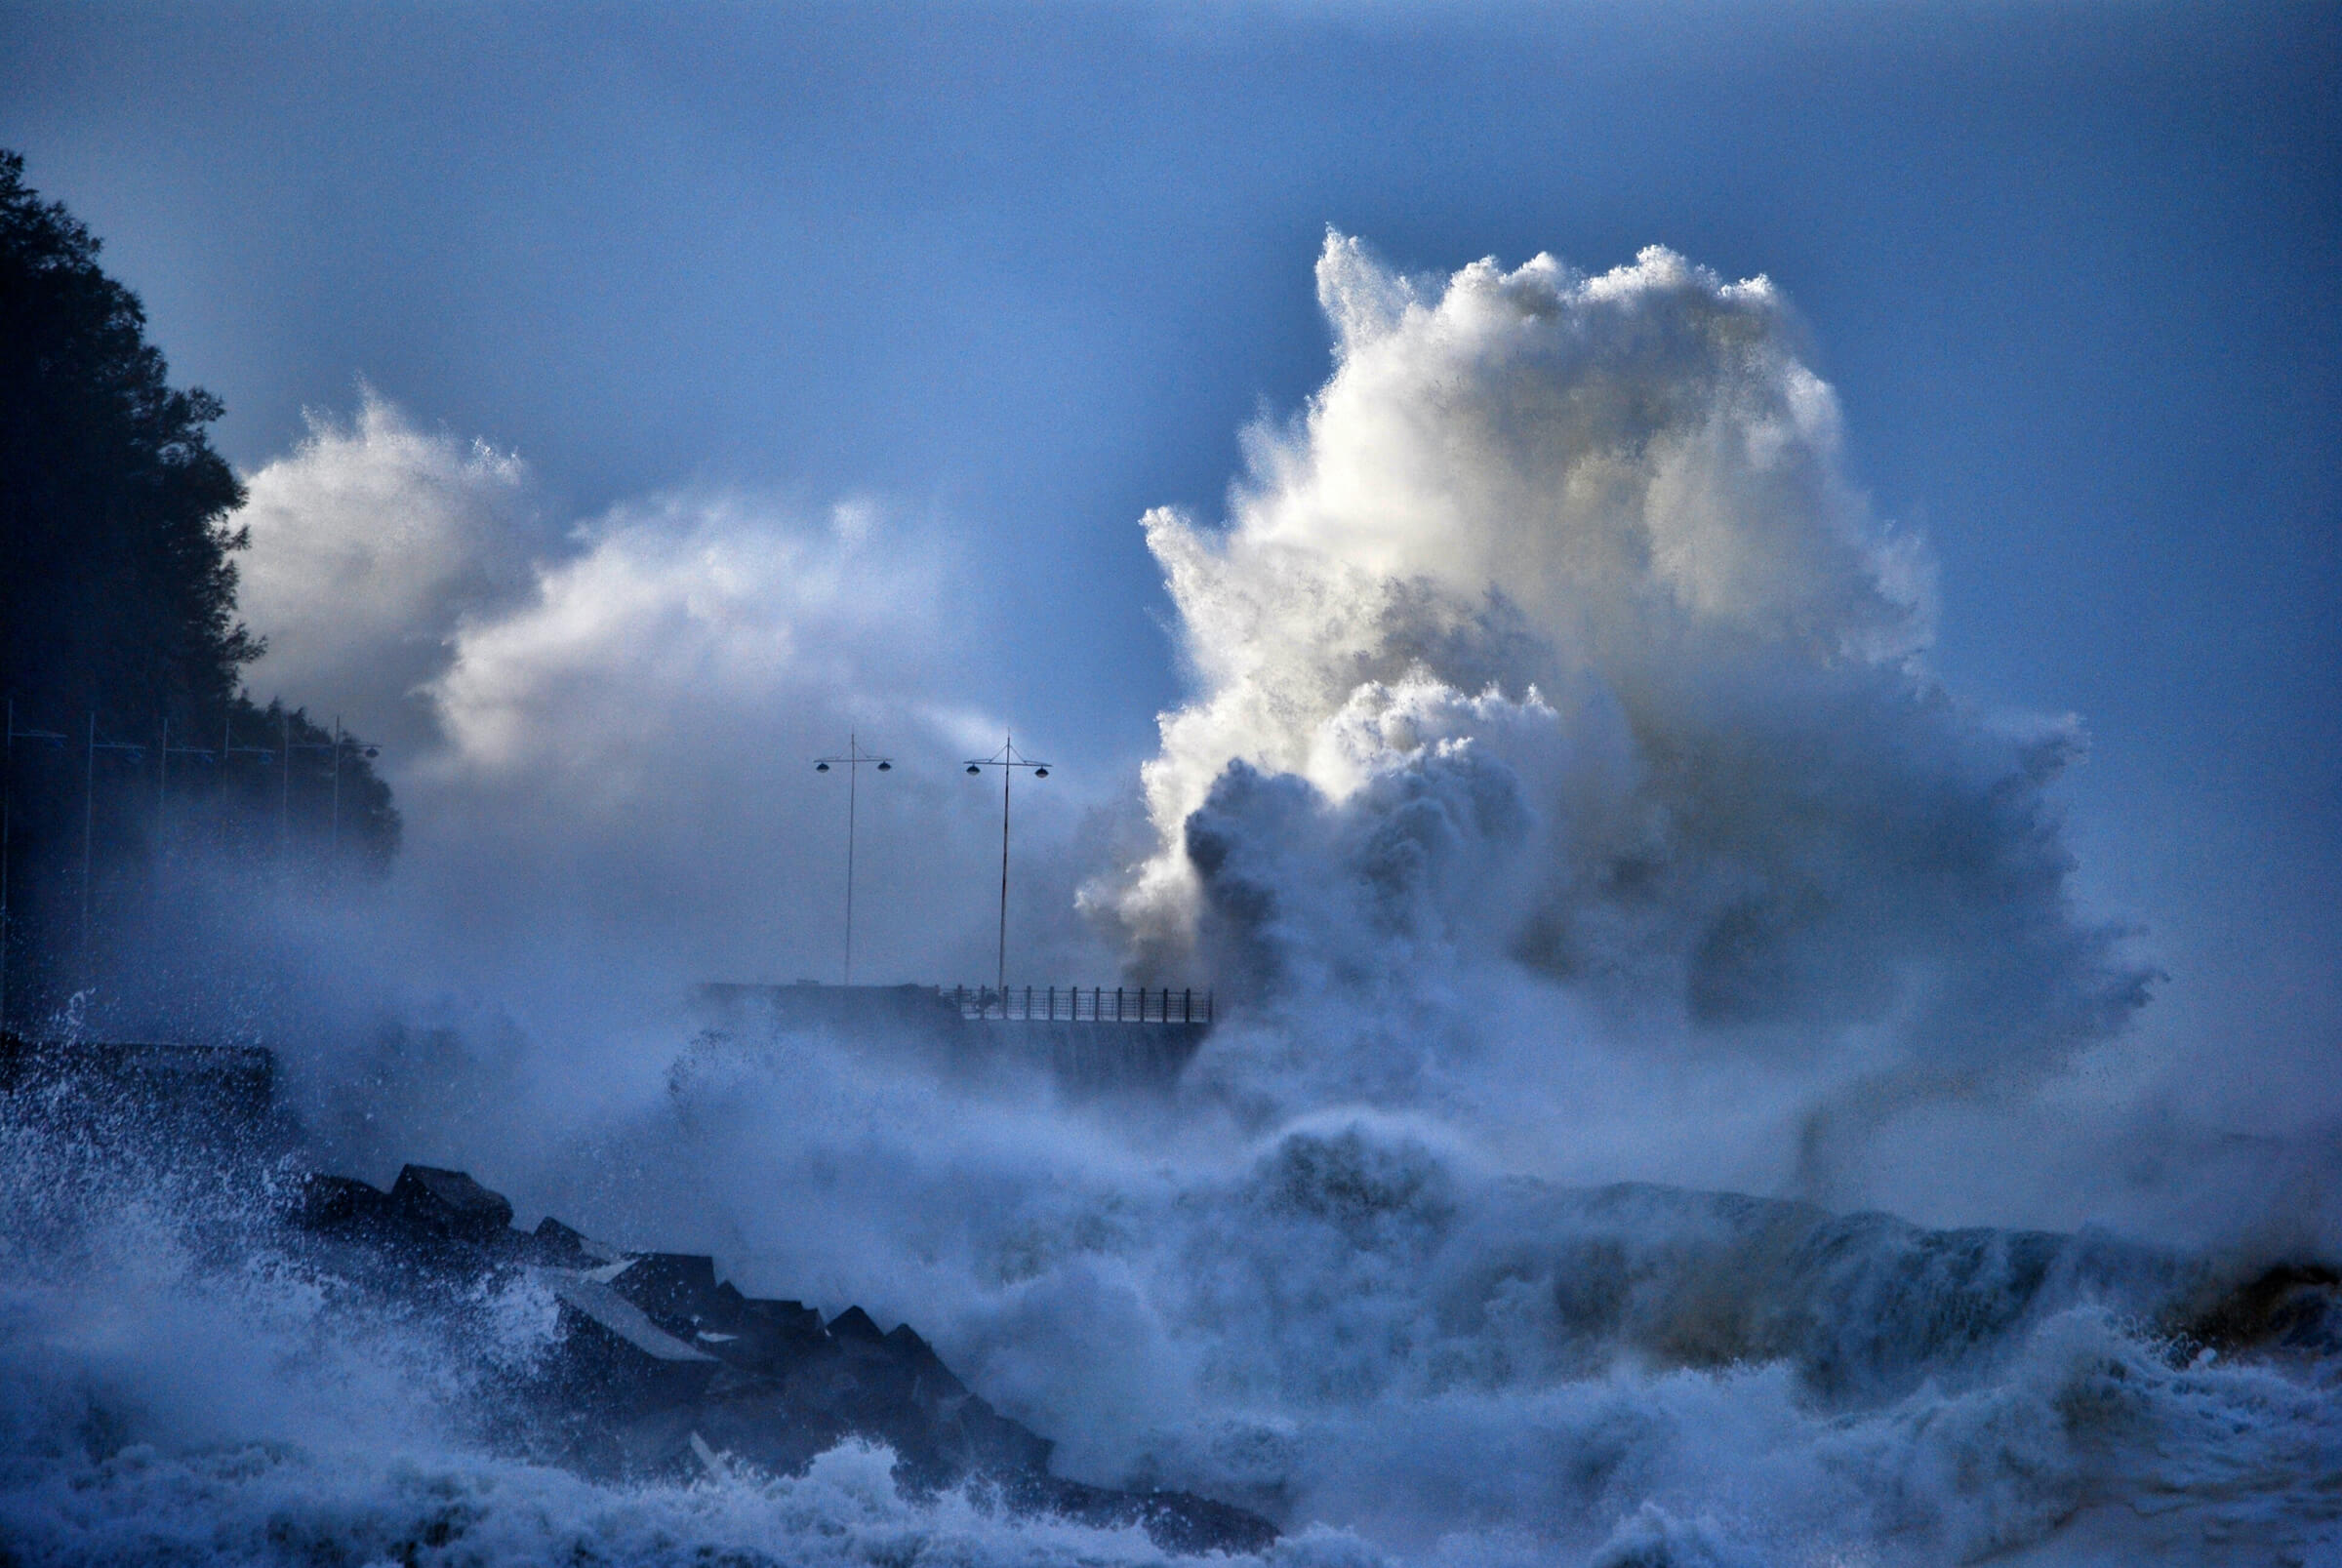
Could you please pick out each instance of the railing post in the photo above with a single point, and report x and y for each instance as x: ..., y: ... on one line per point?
x: 1187, y: 1006
x: 1118, y: 1004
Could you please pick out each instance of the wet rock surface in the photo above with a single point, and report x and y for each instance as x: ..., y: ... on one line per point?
x: 659, y: 1368
x: 2288, y: 1306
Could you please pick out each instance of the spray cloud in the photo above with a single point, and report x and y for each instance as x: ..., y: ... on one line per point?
x: 1552, y: 638
x: 1563, y: 779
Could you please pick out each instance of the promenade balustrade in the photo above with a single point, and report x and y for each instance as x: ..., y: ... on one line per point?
x: 1075, y: 1004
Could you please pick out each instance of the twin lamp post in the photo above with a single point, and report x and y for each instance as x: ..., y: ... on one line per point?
x: 1007, y: 759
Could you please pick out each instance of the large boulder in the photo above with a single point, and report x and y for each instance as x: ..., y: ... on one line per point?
x: 450, y: 1204
x: 660, y: 1368
x: 675, y: 1287
x: 613, y: 1354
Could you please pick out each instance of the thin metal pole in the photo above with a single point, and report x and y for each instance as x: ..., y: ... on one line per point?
x: 852, y: 760
x: 333, y: 844
x: 1005, y: 774
x: 1007, y: 761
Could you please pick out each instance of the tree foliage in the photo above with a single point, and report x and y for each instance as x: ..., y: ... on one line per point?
x: 118, y: 624
x: 117, y: 592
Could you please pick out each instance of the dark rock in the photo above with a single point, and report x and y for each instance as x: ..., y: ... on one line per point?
x: 555, y: 1245
x: 339, y: 1203
x: 613, y: 1354
x: 2290, y: 1307
x: 748, y: 1419
x: 662, y: 1371
x: 450, y: 1204
x: 932, y: 1379
x: 676, y: 1287
x: 772, y: 1338
x: 659, y: 1369
x: 994, y: 1446
x: 855, y: 1324
x: 794, y: 1318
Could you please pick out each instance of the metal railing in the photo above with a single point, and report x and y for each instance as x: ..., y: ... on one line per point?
x: 1073, y: 1004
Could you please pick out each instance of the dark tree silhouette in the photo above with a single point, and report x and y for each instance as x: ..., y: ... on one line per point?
x: 116, y: 591
x: 118, y: 624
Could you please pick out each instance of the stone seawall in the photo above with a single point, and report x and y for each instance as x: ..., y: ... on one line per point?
x: 921, y: 1024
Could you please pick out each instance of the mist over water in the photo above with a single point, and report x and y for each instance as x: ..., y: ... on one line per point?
x: 1609, y: 908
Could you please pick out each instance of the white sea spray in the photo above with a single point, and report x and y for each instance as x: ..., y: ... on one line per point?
x: 1568, y: 813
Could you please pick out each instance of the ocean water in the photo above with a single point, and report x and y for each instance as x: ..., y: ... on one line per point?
x: 1397, y: 1355
x: 1617, y: 923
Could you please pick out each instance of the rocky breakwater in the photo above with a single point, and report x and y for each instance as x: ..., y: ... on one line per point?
x: 657, y: 1368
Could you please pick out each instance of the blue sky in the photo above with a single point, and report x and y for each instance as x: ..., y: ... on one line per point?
x: 2072, y: 269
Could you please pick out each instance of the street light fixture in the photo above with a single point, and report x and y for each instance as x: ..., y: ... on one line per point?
x: 852, y: 762
x: 1008, y: 762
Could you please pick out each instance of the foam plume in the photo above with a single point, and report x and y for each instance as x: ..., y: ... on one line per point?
x: 372, y: 541
x: 1552, y: 635
x: 1565, y: 786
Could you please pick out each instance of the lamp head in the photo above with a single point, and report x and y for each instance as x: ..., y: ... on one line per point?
x: 886, y: 767
x: 973, y: 768
x: 1040, y: 773
x: 820, y: 767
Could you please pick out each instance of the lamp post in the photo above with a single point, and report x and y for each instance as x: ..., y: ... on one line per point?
x: 852, y: 762
x: 1008, y: 762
